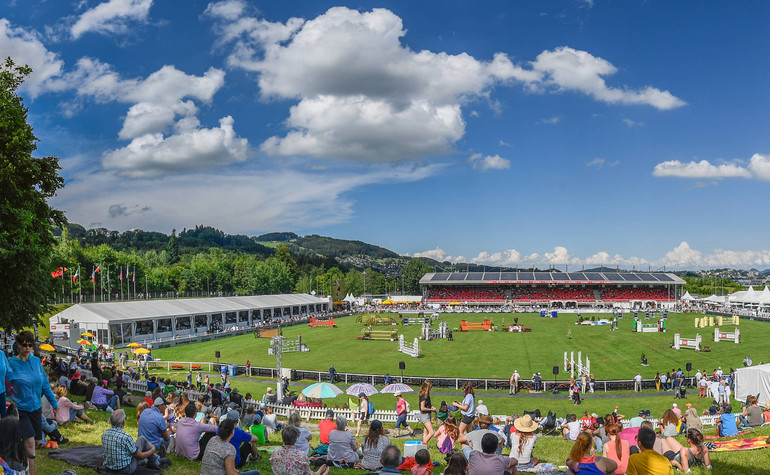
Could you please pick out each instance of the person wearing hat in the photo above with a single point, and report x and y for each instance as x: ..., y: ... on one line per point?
x: 691, y: 419
x: 363, y: 412
x: 153, y: 426
x: 402, y: 409
x: 481, y: 408
x: 766, y: 411
x: 269, y: 396
x: 259, y: 430
x: 327, y: 425
x: 472, y: 440
x: 523, y: 442
x: 676, y: 410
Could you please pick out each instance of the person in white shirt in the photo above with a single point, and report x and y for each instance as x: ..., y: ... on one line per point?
x: 481, y: 408
x: 638, y: 383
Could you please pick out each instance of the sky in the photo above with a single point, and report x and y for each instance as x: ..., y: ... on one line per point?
x: 517, y: 133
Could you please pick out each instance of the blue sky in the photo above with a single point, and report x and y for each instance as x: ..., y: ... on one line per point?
x: 503, y: 133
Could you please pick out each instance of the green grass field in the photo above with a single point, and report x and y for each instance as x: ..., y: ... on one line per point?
x: 613, y: 355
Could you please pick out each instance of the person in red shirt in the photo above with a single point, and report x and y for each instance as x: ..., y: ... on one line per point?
x: 148, y: 398
x: 327, y: 425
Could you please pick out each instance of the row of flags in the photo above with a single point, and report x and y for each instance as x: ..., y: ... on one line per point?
x: 61, y: 270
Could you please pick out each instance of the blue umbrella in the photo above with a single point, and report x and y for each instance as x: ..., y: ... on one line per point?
x: 359, y: 388
x: 321, y: 391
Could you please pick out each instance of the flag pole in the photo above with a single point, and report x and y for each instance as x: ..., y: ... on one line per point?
x: 109, y: 288
x: 80, y: 286
x: 133, y: 279
x: 72, y: 299
x: 93, y: 280
x: 121, y: 283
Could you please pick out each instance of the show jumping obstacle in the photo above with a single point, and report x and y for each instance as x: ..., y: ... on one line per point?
x: 383, y: 335
x: 693, y: 343
x: 466, y: 326
x: 430, y: 334
x: 569, y: 364
x: 287, y: 346
x: 657, y: 327
x: 268, y: 332
x: 735, y: 336
x: 314, y: 322
x: 412, y: 350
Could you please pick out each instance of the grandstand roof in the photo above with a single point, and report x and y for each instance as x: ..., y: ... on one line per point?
x: 606, y: 277
x: 144, y: 309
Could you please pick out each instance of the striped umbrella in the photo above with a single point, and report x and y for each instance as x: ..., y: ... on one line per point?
x: 397, y: 388
x: 359, y: 388
x: 47, y: 347
x: 141, y: 351
x: 84, y: 342
x: 134, y: 345
x: 322, y: 391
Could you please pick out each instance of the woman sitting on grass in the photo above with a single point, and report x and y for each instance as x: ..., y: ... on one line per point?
x: 447, y: 435
x: 523, y: 442
x: 458, y: 465
x: 617, y: 449
x: 288, y: 460
x: 696, y: 453
x: 68, y: 411
x: 372, y: 445
x: 581, y: 460
x: 669, y: 424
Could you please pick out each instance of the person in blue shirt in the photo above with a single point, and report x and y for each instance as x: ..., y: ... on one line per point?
x: 152, y: 425
x: 29, y: 382
x: 3, y: 373
x: 241, y: 440
x: 727, y: 425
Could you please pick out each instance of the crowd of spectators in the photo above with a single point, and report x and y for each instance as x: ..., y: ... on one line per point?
x: 544, y: 294
x: 474, y: 294
x: 623, y: 294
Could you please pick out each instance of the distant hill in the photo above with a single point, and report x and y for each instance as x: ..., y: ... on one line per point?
x: 276, y: 237
x: 340, y: 248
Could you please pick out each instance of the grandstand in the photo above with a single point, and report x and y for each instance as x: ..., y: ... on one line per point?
x: 555, y: 289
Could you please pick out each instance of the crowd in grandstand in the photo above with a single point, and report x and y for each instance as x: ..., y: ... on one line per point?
x: 546, y: 294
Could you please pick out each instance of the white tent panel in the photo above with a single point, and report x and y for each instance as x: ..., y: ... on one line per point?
x: 753, y: 381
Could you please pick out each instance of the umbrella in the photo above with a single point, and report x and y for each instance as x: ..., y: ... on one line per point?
x: 397, y: 388
x: 88, y: 334
x: 47, y: 347
x: 322, y: 391
x: 141, y: 351
x: 85, y: 342
x: 359, y: 388
x: 134, y: 345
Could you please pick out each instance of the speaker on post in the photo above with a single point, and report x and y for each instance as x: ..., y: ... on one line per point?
x: 217, y: 354
x: 401, y: 365
x: 555, y: 370
x: 689, y: 366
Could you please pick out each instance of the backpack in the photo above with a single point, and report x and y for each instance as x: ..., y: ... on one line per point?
x: 446, y: 445
x: 371, y: 408
x: 407, y: 406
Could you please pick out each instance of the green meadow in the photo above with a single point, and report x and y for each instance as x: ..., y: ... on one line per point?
x: 479, y: 354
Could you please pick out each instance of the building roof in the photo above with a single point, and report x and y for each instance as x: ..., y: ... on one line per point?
x: 144, y: 309
x: 562, y: 278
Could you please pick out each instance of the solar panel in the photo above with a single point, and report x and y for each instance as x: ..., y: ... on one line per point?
x: 457, y: 276
x: 632, y: 277
x: 577, y: 276
x: 491, y: 276
x: 542, y: 276
x: 508, y: 276
x: 559, y: 276
x: 647, y: 277
x: 613, y: 276
x: 475, y: 276
x: 440, y: 277
x: 663, y: 277
x: 593, y: 276
x: 526, y: 276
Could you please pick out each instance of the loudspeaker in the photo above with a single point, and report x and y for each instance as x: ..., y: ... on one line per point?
x: 555, y: 370
x: 401, y: 365
x: 217, y: 354
x: 689, y: 366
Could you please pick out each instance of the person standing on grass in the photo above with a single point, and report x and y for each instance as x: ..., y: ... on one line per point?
x: 514, y: 381
x: 467, y: 407
x: 426, y: 410
x: 638, y: 383
x: 28, y: 382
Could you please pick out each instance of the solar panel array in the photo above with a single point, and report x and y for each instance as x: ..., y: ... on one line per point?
x: 555, y: 277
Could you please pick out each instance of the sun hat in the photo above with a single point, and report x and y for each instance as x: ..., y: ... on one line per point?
x: 525, y: 424
x: 159, y: 401
x: 257, y: 419
x: 767, y: 405
x: 397, y: 393
x: 674, y: 405
x: 688, y: 405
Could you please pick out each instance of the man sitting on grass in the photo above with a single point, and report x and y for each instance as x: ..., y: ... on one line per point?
x: 120, y: 452
x: 648, y: 461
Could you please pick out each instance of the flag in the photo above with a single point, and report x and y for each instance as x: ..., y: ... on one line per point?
x: 77, y: 274
x: 133, y: 278
x: 59, y: 272
x: 93, y: 274
x: 121, y: 274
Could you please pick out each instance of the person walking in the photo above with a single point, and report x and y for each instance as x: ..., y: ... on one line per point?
x: 514, y: 382
x: 638, y: 383
x: 426, y: 410
x: 332, y: 372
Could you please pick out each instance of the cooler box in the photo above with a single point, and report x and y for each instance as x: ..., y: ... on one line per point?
x: 412, y: 446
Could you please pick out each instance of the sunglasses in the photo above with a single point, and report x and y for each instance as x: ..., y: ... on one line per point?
x: 28, y: 345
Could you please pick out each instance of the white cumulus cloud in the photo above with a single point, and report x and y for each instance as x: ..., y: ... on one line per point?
x: 111, y: 17
x: 489, y: 162
x: 701, y: 169
x: 25, y: 47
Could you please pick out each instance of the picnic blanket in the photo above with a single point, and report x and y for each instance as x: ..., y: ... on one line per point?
x: 741, y: 444
x: 90, y: 456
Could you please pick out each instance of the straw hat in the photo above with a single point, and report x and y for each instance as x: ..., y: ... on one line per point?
x: 525, y: 424
x: 767, y: 405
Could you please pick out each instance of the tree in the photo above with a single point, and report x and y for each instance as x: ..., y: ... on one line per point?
x: 282, y: 254
x: 26, y: 219
x: 172, y: 248
x: 412, y: 273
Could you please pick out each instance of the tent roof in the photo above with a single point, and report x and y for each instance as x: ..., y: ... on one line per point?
x: 687, y: 296
x: 406, y: 298
x: 146, y: 309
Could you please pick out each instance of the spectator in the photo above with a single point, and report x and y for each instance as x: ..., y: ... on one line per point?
x: 153, y: 427
x: 467, y: 407
x: 326, y: 426
x: 29, y: 382
x: 727, y: 425
x: 68, y: 411
x: 696, y: 452
x: 426, y: 410
x: 220, y: 454
x: 523, y: 442
x: 571, y: 429
x: 259, y: 430
x: 691, y: 419
x: 457, y: 465
x: 473, y: 438
x: 617, y: 449
x: 752, y: 414
x: 580, y: 458
x: 191, y: 435
x: 120, y: 452
x: 486, y: 461
x: 447, y: 434
x: 342, y: 444
x: 303, y: 441
x: 242, y: 441
x: 373, y: 445
x: 648, y: 461
x: 99, y: 398
x: 13, y: 454
x: 288, y: 460
x: 401, y: 413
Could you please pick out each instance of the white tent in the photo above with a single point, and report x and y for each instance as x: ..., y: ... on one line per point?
x: 687, y: 297
x: 753, y: 381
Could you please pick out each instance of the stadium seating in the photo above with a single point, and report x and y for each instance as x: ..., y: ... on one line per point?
x: 473, y: 294
x: 624, y: 294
